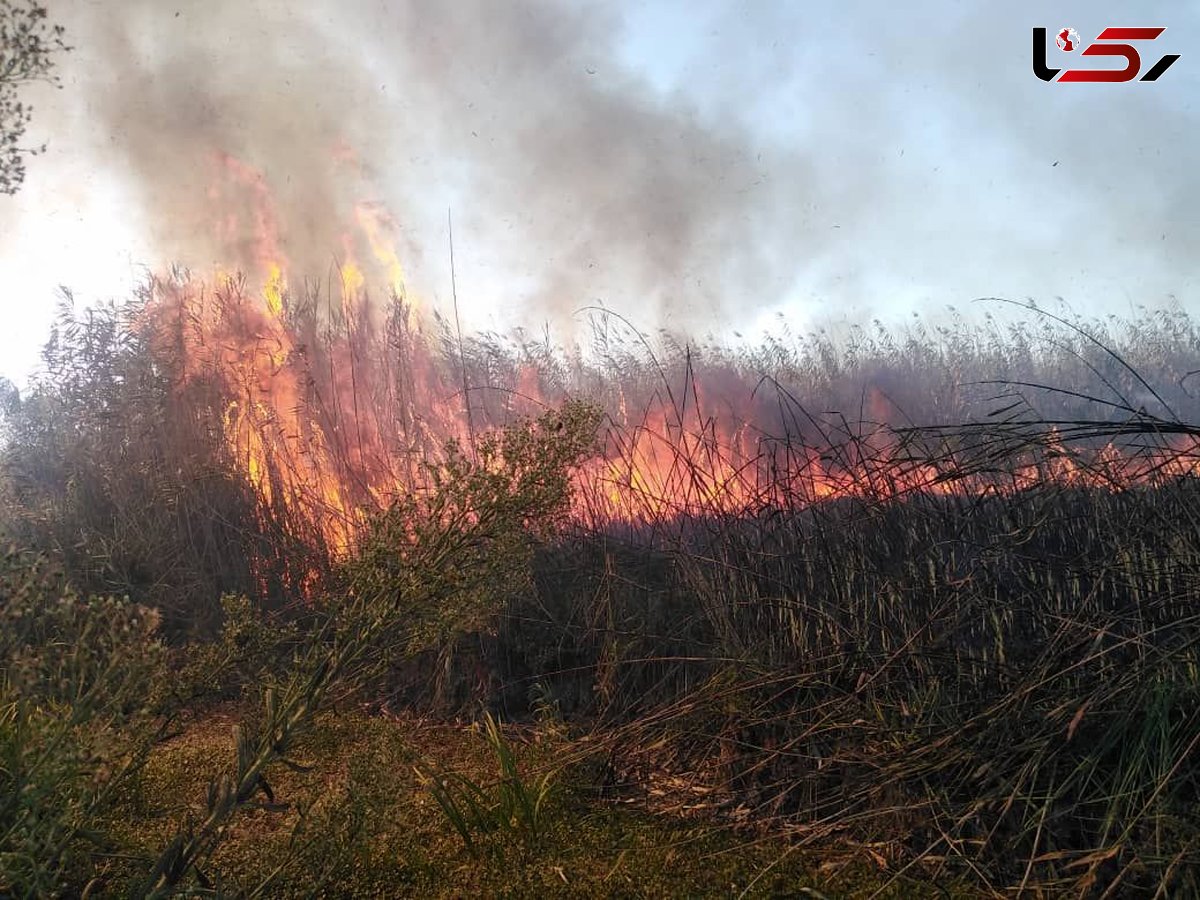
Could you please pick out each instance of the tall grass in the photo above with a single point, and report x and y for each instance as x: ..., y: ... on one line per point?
x: 1000, y: 682
x: 514, y: 807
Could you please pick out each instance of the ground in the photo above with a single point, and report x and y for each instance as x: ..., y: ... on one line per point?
x: 354, y: 820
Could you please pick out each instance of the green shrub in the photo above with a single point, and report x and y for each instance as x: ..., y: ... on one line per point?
x: 81, y: 682
x: 250, y: 649
x: 431, y: 568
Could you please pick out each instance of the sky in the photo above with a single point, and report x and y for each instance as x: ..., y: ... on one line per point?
x: 705, y: 167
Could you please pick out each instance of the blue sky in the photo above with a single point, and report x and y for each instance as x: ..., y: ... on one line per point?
x: 704, y: 166
x: 977, y: 178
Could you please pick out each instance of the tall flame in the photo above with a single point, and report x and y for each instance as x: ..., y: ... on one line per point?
x: 329, y: 425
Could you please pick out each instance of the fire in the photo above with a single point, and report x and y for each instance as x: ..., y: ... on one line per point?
x: 274, y: 289
x: 244, y: 185
x: 332, y: 416
x: 378, y: 226
x: 353, y: 281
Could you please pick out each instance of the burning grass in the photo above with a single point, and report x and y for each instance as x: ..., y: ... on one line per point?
x: 926, y: 602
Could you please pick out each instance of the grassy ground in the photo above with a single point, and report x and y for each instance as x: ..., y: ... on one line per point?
x: 1004, y: 683
x: 358, y: 823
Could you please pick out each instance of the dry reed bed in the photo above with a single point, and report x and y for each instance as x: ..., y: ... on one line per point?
x: 1002, y: 683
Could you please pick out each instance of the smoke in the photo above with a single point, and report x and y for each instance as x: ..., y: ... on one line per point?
x: 839, y: 159
x: 578, y: 177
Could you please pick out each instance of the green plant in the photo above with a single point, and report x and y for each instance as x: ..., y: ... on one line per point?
x: 82, y: 681
x: 250, y: 649
x: 513, y: 807
x: 447, y: 560
x: 547, y: 709
x: 29, y: 45
x: 418, y: 581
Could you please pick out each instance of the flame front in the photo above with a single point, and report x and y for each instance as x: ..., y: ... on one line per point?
x: 335, y: 412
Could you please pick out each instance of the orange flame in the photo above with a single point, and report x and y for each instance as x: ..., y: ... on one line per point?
x: 326, y: 428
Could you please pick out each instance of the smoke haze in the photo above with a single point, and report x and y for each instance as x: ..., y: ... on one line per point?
x: 692, y: 164
x: 516, y: 111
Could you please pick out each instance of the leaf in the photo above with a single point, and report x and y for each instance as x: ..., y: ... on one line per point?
x: 1077, y: 718
x: 1096, y: 858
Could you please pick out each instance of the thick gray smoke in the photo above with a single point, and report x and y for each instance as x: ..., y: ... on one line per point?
x: 848, y: 158
x: 518, y: 114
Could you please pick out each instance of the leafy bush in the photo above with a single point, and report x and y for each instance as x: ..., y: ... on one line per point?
x: 433, y: 567
x: 81, y: 682
x: 250, y: 650
x: 444, y: 564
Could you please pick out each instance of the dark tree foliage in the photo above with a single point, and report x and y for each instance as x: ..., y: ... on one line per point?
x: 29, y: 44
